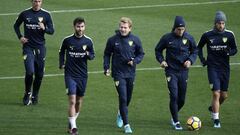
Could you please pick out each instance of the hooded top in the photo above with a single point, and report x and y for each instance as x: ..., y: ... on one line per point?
x: 179, y: 22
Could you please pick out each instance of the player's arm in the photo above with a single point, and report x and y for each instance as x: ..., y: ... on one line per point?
x: 200, y: 46
x: 139, y: 53
x: 49, y: 29
x: 193, y: 53
x: 90, y: 53
x: 16, y: 27
x: 106, y: 58
x: 62, y: 55
x: 159, y: 52
x: 233, y: 47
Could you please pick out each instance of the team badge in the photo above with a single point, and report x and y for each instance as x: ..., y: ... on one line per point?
x: 84, y: 47
x: 169, y: 78
x: 25, y: 57
x: 130, y: 43
x: 224, y: 39
x: 117, y: 83
x: 184, y: 41
x: 40, y: 19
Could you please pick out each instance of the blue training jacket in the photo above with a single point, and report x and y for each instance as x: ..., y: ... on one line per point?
x: 178, y: 50
x: 123, y: 49
x: 32, y: 30
x: 220, y: 45
x: 76, y: 58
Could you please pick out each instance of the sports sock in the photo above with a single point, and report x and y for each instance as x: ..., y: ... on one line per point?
x: 215, y: 116
x: 76, y: 115
x: 72, y: 121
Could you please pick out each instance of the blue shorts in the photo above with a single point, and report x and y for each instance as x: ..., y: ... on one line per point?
x: 75, y: 86
x: 218, y: 80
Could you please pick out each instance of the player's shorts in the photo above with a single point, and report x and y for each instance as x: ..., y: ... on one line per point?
x: 218, y: 80
x: 75, y: 86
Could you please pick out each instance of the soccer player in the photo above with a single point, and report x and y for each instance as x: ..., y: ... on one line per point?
x: 125, y: 51
x: 181, y: 53
x: 78, y: 49
x: 37, y: 22
x: 221, y: 45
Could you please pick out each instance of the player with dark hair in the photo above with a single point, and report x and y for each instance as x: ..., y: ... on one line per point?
x: 37, y: 22
x: 78, y: 49
x: 221, y: 45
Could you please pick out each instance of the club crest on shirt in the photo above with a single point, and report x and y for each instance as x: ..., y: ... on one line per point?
x: 84, y: 47
x: 40, y: 19
x: 224, y: 39
x: 130, y: 43
x: 168, y: 78
x: 184, y: 41
x: 117, y: 83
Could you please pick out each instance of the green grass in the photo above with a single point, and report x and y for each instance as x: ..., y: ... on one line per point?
x: 149, y: 113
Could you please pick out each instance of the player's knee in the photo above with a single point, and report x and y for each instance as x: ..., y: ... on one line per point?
x: 29, y: 73
x: 224, y: 96
x: 72, y: 103
x: 216, y: 95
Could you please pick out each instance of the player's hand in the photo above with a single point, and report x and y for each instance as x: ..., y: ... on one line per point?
x: 164, y: 64
x: 204, y: 63
x: 62, y: 67
x: 187, y: 64
x: 87, y: 53
x: 107, y: 72
x: 130, y: 63
x: 41, y: 25
x: 23, y: 40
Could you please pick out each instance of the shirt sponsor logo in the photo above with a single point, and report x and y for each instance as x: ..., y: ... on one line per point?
x: 77, y: 54
x: 218, y: 47
x: 33, y: 26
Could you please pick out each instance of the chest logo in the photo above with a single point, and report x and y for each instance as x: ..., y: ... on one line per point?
x: 84, y: 47
x: 224, y: 39
x: 130, y: 43
x: 184, y: 41
x: 40, y: 19
x: 211, y: 40
x: 28, y: 19
x: 71, y: 47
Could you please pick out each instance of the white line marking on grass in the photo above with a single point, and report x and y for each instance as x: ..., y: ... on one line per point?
x: 98, y: 72
x: 132, y: 7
